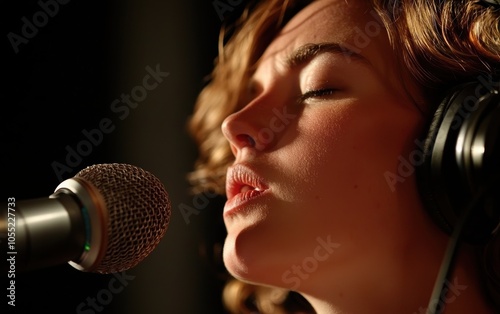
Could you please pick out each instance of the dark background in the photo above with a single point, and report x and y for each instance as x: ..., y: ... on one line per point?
x: 62, y: 81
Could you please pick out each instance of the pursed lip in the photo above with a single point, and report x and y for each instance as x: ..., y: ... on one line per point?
x: 242, y: 184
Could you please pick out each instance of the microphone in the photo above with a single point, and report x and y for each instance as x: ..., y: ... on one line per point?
x: 105, y: 219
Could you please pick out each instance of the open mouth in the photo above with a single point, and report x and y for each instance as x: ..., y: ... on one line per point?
x: 242, y: 184
x: 248, y: 188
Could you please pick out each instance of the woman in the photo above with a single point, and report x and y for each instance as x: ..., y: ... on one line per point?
x: 312, y: 108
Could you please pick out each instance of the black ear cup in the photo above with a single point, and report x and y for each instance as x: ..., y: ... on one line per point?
x: 462, y: 160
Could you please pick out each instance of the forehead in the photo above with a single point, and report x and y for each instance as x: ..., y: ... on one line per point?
x: 352, y: 23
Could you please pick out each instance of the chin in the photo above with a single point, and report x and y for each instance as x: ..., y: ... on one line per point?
x: 247, y: 258
x: 235, y: 265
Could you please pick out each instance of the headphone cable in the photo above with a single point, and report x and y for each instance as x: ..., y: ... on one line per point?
x: 445, y: 271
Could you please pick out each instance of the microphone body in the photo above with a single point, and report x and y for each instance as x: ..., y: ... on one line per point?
x: 48, y: 231
x: 106, y: 219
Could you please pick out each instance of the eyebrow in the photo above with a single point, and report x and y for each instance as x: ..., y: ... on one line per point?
x: 307, y: 52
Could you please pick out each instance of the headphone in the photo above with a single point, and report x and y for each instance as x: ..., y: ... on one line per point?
x: 461, y: 160
x: 492, y: 2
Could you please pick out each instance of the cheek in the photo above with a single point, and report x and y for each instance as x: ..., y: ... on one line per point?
x: 323, y: 152
x: 339, y: 159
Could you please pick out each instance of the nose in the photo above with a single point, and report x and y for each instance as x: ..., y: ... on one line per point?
x: 252, y: 127
x: 240, y: 132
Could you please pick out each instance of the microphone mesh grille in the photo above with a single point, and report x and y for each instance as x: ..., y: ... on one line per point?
x: 139, y: 213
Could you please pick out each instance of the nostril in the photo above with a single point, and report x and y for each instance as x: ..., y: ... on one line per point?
x: 245, y: 140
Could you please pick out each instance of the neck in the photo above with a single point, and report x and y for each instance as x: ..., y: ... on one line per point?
x: 406, y: 291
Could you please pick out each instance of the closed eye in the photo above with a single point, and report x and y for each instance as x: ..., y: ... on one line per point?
x: 319, y: 93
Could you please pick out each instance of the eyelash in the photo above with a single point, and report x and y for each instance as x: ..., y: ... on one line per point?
x: 316, y: 93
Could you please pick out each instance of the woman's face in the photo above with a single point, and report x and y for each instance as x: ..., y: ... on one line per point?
x: 319, y: 190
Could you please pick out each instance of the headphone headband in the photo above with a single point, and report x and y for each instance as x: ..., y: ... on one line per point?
x: 492, y: 2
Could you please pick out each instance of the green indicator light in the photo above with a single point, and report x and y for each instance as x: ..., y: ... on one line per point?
x: 86, y: 219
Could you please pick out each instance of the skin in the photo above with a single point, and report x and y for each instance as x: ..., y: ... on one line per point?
x: 324, y: 168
